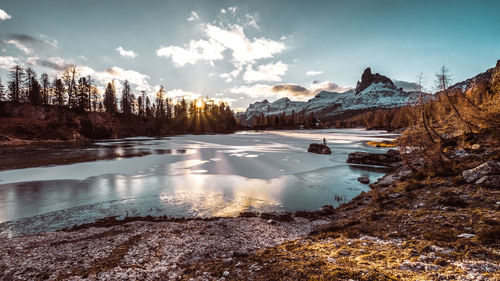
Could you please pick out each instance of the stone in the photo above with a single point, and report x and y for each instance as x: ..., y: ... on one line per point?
x: 390, y: 159
x: 364, y: 180
x: 485, y: 169
x: 466, y: 235
x: 489, y: 181
x: 319, y: 148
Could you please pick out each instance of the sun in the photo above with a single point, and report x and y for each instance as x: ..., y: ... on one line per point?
x: 199, y: 104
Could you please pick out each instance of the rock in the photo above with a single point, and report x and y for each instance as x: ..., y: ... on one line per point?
x: 272, y: 222
x: 466, y: 235
x: 225, y: 273
x: 319, y: 148
x: 277, y: 217
x: 489, y: 181
x: 390, y: 159
x: 364, y: 180
x: 367, y: 78
x: 485, y: 169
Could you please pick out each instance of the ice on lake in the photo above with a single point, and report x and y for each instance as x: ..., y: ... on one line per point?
x: 189, y: 176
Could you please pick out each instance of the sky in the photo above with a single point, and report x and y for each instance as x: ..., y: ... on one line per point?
x: 247, y: 51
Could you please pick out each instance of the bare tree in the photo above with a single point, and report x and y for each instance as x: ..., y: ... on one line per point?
x: 443, y: 79
x: 45, y: 88
x: 69, y: 78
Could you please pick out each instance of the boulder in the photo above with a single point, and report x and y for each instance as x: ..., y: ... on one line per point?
x: 489, y: 181
x: 390, y: 159
x: 319, y: 148
x: 485, y: 169
x: 364, y: 180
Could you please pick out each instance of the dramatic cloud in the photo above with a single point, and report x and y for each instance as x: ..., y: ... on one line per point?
x: 193, y: 16
x: 243, y: 49
x: 55, y: 63
x: 313, y: 73
x: 4, y: 15
x: 125, y: 53
x: 233, y: 38
x: 293, y: 90
x: 8, y: 62
x: 267, y: 72
x: 195, y: 51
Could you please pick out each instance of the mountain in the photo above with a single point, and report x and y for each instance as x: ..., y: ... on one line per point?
x: 374, y: 91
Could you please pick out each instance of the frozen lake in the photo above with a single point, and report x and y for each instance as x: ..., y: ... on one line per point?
x: 188, y: 176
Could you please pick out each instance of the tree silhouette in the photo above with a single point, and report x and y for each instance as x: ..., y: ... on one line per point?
x: 110, y: 98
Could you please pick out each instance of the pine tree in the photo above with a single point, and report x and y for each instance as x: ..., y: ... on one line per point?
x: 110, y: 98
x: 30, y: 76
x: 35, y: 94
x: 148, y: 108
x: 2, y: 91
x: 15, y: 84
x: 59, y: 92
x: 126, y: 99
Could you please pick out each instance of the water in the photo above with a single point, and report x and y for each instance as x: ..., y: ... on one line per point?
x: 187, y: 176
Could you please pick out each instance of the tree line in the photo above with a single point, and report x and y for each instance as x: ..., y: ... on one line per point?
x: 75, y: 93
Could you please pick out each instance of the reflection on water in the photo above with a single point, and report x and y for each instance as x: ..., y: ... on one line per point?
x: 188, y: 176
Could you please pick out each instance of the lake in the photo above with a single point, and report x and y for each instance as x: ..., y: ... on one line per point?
x: 186, y: 176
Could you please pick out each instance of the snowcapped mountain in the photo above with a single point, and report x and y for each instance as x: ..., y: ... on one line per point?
x: 374, y: 91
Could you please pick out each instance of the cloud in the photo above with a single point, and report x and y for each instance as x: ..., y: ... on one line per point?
x: 318, y: 86
x: 313, y: 73
x: 49, y: 41
x: 4, y: 15
x: 267, y: 72
x: 125, y: 53
x: 243, y: 49
x: 196, y: 50
x: 296, y: 92
x: 292, y: 90
x: 227, y: 77
x: 252, y: 21
x: 7, y: 62
x: 218, y: 39
x: 141, y: 81
x: 55, y: 63
x: 19, y: 46
x: 254, y: 91
x: 28, y: 43
x: 193, y: 16
x: 407, y: 86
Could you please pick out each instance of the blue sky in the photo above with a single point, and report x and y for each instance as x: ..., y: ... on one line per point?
x: 237, y: 50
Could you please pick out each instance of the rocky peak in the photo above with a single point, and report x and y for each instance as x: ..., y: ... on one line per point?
x: 368, y: 78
